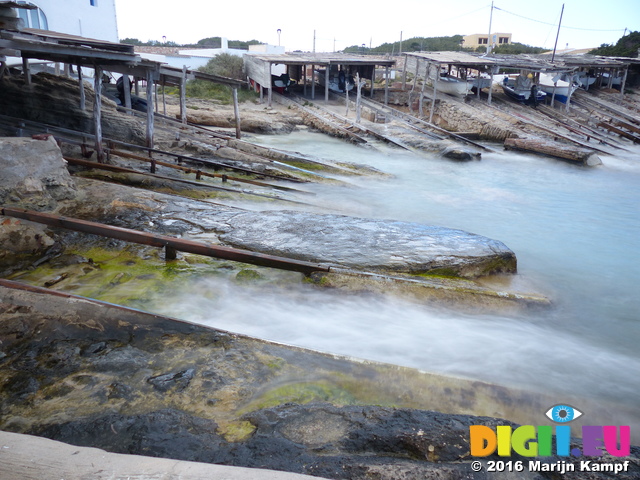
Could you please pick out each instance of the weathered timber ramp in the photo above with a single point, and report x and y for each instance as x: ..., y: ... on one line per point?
x: 418, y: 124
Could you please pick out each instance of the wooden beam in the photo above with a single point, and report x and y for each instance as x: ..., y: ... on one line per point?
x: 386, y: 86
x: 435, y: 91
x: 326, y: 83
x: 126, y: 85
x: 236, y: 112
x: 26, y: 71
x: 97, y: 112
x: 313, y: 82
x: 162, y: 241
x: 83, y: 97
x: 150, y: 84
x: 183, y: 95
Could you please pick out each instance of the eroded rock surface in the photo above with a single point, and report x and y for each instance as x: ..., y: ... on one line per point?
x: 368, y: 244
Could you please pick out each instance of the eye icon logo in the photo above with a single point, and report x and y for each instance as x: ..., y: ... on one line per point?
x: 563, y: 413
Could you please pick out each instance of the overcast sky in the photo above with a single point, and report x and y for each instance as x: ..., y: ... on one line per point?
x: 585, y: 23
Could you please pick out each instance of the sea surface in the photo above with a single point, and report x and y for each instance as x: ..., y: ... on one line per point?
x: 576, y: 234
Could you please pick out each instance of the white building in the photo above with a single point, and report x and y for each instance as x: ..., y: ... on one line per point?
x: 86, y: 18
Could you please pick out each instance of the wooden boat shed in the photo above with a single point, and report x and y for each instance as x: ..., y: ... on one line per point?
x: 258, y: 69
x: 99, y: 55
x: 421, y: 63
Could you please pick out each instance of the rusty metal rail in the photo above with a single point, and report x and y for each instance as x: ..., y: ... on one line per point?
x: 170, y: 244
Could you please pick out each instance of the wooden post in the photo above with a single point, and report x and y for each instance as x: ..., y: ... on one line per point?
x: 404, y: 73
x: 313, y: 82
x: 553, y: 94
x: 326, y: 83
x: 386, y: 86
x: 136, y: 86
x: 610, y: 83
x: 435, y: 91
x: 150, y: 84
x: 236, y: 111
x: 65, y: 70
x: 346, y: 96
x: 155, y: 95
x: 26, y: 71
x: 624, y: 82
x: 424, y: 84
x: 183, y: 95
x: 97, y: 112
x: 304, y: 80
x: 126, y: 85
x: 490, y: 87
x: 358, y: 95
x: 164, y: 97
x: 373, y: 80
x: 83, y: 98
x: 57, y: 69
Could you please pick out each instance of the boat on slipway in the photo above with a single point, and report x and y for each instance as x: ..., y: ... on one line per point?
x: 557, y: 88
x: 522, y: 89
x: 459, y: 87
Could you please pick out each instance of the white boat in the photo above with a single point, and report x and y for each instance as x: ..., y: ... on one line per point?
x: 452, y: 85
x: 583, y: 79
x: 555, y: 86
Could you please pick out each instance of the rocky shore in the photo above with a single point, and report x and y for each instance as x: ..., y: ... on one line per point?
x: 97, y: 374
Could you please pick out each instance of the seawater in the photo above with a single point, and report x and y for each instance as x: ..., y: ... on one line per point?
x: 576, y: 234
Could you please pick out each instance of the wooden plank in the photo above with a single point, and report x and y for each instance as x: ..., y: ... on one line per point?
x: 156, y: 240
x: 619, y: 131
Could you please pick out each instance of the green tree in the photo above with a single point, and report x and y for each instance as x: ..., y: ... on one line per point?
x: 516, y: 48
x: 626, y: 46
x: 225, y: 65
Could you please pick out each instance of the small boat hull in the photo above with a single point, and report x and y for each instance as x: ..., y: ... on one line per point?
x: 560, y: 91
x: 522, y: 95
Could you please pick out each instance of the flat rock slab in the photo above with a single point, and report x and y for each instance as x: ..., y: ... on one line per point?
x: 369, y: 244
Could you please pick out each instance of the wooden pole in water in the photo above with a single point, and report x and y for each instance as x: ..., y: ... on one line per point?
x: 557, y: 35
x: 97, y: 112
x: 236, y: 111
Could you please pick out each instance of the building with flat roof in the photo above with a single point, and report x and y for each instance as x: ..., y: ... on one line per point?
x: 482, y: 40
